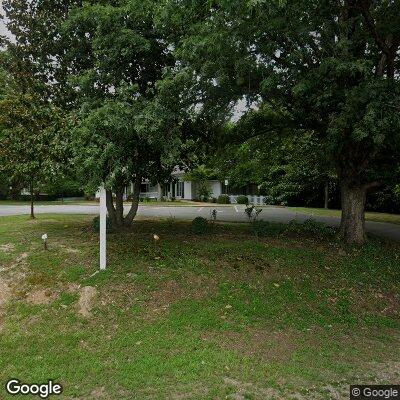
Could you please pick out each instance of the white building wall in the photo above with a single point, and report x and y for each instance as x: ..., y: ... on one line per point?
x: 188, y: 190
x: 216, y: 188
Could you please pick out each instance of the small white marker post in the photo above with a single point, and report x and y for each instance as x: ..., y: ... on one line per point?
x: 103, y: 228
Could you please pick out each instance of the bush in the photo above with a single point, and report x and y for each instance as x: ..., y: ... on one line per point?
x: 200, y: 225
x: 223, y: 199
x: 311, y: 226
x: 96, y: 224
x: 204, y: 191
x: 265, y: 228
x: 242, y: 200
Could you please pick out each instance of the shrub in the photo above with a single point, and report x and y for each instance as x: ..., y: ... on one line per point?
x: 223, y: 199
x: 199, y: 225
x: 312, y: 227
x: 204, y: 191
x: 96, y: 223
x: 214, y: 200
x: 265, y: 228
x: 242, y: 200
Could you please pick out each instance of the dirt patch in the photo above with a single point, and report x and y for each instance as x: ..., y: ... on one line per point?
x: 244, y: 389
x: 263, y: 344
x: 41, y: 296
x: 199, y: 287
x: 73, y: 287
x: 7, y: 248
x: 19, y: 262
x: 383, y: 373
x: 98, y: 393
x: 21, y: 258
x: 162, y: 298
x: 5, y: 293
x: 69, y: 250
x: 86, y: 299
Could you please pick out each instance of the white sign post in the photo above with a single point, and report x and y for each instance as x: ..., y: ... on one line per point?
x: 103, y: 228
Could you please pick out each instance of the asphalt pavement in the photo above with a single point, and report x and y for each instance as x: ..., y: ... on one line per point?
x: 232, y: 213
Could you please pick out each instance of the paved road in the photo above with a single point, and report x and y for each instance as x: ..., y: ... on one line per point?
x: 226, y: 213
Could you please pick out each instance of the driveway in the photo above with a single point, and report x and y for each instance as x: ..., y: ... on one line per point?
x: 225, y: 213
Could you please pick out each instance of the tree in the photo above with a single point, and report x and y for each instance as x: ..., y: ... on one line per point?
x: 37, y: 48
x: 125, y: 125
x: 32, y: 134
x: 201, y: 175
x: 27, y: 141
x: 328, y: 67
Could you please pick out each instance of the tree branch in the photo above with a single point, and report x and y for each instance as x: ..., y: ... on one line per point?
x: 370, y: 22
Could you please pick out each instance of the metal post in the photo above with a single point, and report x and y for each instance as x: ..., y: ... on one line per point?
x: 103, y: 228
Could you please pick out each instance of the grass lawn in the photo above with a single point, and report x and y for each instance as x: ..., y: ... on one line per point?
x: 369, y: 216
x: 215, y: 316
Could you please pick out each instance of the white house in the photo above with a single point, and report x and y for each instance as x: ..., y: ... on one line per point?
x: 177, y: 188
x: 180, y: 189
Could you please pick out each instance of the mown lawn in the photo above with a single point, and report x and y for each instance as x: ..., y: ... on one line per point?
x: 215, y: 316
x: 369, y: 216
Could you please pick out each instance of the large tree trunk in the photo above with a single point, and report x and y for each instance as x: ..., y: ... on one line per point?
x: 116, y: 213
x: 352, y: 226
x: 135, y: 202
x: 110, y: 208
x: 32, y: 200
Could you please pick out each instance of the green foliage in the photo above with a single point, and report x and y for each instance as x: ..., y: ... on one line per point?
x: 223, y: 199
x: 312, y: 227
x: 309, y: 227
x: 329, y: 69
x: 96, y: 224
x: 204, y: 191
x: 200, y: 226
x: 29, y: 142
x: 63, y: 187
x: 266, y: 228
x: 242, y: 200
x: 201, y: 175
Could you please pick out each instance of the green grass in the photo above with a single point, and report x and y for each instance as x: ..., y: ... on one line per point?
x: 369, y: 216
x: 216, y: 316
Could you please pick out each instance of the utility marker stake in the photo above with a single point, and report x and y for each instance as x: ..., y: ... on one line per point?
x: 44, y: 237
x: 103, y: 228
